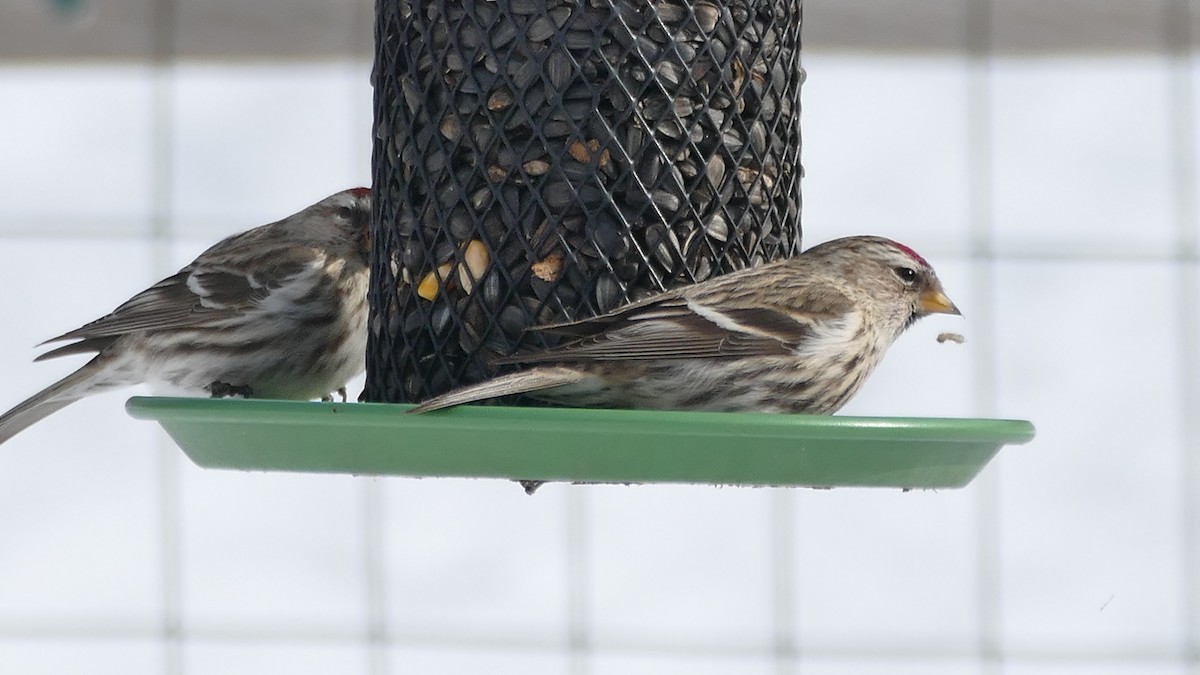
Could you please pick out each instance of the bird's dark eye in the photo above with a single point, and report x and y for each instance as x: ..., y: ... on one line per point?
x: 907, y: 274
x: 345, y: 212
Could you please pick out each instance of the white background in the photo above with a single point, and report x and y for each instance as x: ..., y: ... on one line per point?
x: 1055, y: 194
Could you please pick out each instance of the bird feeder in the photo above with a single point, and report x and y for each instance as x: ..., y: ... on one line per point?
x: 538, y: 161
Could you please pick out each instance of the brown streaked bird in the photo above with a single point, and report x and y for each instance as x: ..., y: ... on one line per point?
x: 795, y: 336
x: 279, y: 311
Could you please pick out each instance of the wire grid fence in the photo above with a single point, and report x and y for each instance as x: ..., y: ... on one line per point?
x: 983, y: 253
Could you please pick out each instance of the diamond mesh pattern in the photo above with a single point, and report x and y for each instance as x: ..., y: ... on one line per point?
x: 538, y: 161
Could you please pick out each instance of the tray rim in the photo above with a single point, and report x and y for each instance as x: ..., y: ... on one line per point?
x: 867, y: 428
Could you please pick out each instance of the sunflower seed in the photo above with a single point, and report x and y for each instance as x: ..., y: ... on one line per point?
x: 451, y: 128
x: 460, y: 224
x: 706, y: 16
x: 503, y: 34
x: 580, y: 39
x: 512, y: 320
x: 608, y: 293
x: 539, y: 30
x: 672, y: 73
x: 717, y: 228
x: 669, y: 13
x: 667, y: 201
x: 558, y: 195
x: 473, y: 326
x: 524, y: 7
x: 560, y: 15
x: 557, y: 128
x: 414, y: 256
x: 758, y: 138
x: 715, y: 170
x: 558, y: 70
x: 663, y: 244
x: 500, y: 99
x: 565, y: 299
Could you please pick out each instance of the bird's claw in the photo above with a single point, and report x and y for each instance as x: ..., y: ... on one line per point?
x: 226, y: 390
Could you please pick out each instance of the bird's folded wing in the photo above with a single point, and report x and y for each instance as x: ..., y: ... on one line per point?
x: 685, y: 332
x: 197, y: 296
x: 651, y: 308
x: 185, y: 299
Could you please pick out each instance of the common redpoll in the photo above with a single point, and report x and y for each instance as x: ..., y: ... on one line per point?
x: 795, y: 336
x: 279, y: 311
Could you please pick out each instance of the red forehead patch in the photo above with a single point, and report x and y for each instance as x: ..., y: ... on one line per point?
x: 911, y: 253
x: 360, y: 192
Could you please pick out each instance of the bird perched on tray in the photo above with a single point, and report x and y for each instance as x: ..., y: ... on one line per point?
x: 795, y: 336
x: 279, y: 311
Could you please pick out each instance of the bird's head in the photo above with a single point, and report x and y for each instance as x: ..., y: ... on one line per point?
x: 888, y: 275
x: 343, y: 217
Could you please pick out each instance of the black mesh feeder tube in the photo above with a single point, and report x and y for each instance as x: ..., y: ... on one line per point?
x: 537, y: 161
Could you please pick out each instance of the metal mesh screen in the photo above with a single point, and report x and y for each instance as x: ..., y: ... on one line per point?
x: 545, y: 160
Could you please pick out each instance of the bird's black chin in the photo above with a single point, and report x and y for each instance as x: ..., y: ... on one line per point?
x: 912, y: 318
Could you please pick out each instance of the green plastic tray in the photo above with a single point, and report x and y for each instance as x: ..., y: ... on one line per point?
x: 563, y: 444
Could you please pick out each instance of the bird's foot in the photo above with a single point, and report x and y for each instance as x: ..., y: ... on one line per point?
x: 328, y: 398
x: 226, y: 390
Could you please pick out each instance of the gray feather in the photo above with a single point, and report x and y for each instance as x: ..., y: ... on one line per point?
x: 49, y: 400
x: 198, y: 295
x: 88, y: 346
x: 505, y: 385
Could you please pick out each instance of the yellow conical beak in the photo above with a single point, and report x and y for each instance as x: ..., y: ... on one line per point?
x: 934, y: 301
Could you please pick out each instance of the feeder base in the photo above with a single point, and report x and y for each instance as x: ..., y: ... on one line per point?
x: 565, y: 444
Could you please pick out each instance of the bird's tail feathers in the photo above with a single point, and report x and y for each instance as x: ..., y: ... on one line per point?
x: 49, y: 400
x: 521, y: 382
